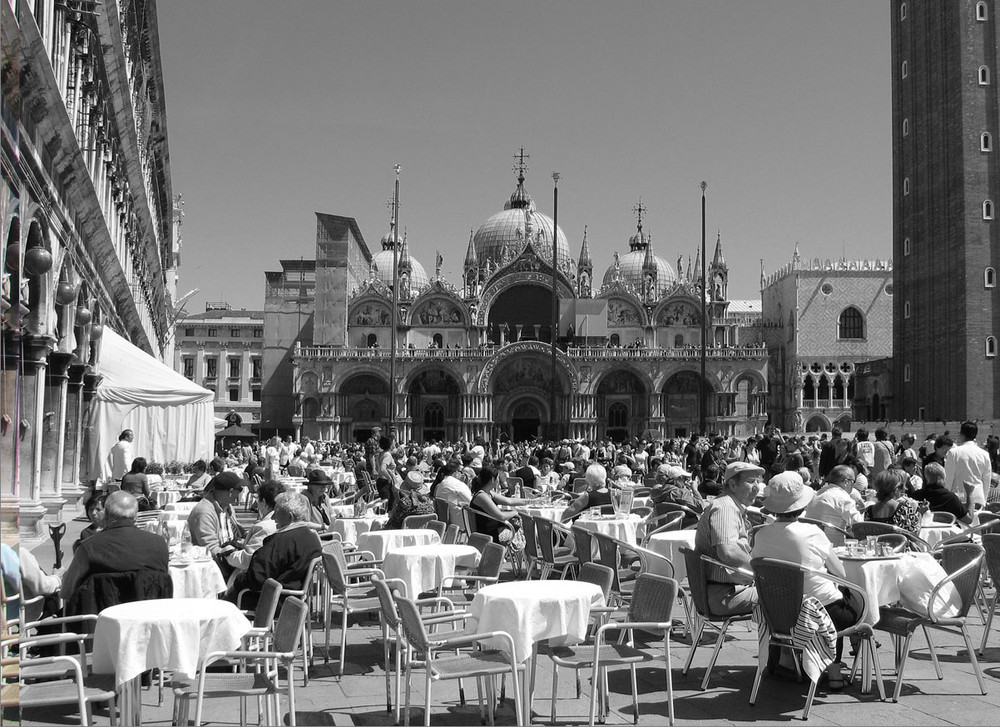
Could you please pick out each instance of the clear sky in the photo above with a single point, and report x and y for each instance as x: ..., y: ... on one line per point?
x: 278, y: 110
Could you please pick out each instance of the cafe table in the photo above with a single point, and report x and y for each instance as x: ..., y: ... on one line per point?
x: 351, y: 528
x: 668, y: 545
x: 381, y: 542
x: 620, y: 527
x: 165, y: 497
x: 180, y: 507
x: 196, y: 577
x: 534, y: 611
x: 172, y: 634
x: 548, y: 512
x: 424, y: 567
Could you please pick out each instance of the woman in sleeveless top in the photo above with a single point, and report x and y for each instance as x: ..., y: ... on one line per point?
x: 892, y: 506
x: 489, y: 518
x: 596, y: 495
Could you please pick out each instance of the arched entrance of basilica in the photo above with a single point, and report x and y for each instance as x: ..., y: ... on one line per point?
x: 434, y: 404
x: 522, y: 391
x: 526, y: 418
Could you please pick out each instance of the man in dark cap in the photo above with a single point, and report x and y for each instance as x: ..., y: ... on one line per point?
x: 318, y: 484
x: 212, y: 521
x: 372, y: 450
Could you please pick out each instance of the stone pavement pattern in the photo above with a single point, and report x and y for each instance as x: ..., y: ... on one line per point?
x: 358, y: 698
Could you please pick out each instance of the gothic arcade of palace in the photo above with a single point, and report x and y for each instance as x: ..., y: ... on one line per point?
x: 477, y: 360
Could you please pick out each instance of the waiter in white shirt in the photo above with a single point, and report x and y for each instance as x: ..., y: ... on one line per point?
x: 120, y: 457
x: 967, y: 468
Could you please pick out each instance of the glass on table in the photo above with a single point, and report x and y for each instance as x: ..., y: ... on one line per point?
x: 871, y: 545
x: 850, y: 547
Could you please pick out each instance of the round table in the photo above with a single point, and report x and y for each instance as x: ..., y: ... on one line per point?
x: 423, y: 567
x: 549, y: 512
x: 167, y: 633
x: 668, y: 545
x: 382, y: 541
x: 197, y: 578
x: 340, y: 511
x: 934, y: 533
x: 617, y: 526
x: 531, y: 611
x: 351, y: 528
x: 180, y: 507
x: 165, y: 497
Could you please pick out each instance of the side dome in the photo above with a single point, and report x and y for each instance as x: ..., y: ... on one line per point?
x: 504, y: 235
x: 383, y: 269
x: 629, y: 267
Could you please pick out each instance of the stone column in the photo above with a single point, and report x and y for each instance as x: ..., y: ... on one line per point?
x: 74, y: 429
x: 36, y: 350
x: 10, y: 454
x: 54, y: 433
x: 245, y: 374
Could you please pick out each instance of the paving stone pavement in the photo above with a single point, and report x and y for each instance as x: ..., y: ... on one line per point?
x: 358, y: 697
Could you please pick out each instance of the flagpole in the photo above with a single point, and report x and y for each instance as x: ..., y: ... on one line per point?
x: 702, y: 393
x: 395, y: 306
x: 553, y: 418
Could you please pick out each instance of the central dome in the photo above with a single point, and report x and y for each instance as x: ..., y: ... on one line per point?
x: 503, y: 236
x: 629, y: 268
x: 383, y: 262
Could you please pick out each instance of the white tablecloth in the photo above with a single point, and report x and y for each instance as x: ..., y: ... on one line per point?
x: 342, y: 510
x: 423, y: 567
x: 350, y: 528
x: 623, y: 528
x: 164, y: 497
x: 382, y: 541
x: 168, y: 633
x: 936, y: 532
x: 668, y: 545
x: 880, y: 579
x: 201, y: 579
x: 531, y: 611
x: 553, y: 512
x: 181, y: 507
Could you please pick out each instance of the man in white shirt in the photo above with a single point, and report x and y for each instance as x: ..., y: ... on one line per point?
x: 454, y: 491
x: 834, y: 505
x: 120, y: 457
x: 967, y: 468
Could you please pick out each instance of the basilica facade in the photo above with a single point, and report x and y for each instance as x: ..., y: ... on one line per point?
x: 475, y: 359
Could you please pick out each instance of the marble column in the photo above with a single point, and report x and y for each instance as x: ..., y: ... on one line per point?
x: 54, y: 433
x: 74, y: 429
x: 10, y: 451
x: 36, y: 349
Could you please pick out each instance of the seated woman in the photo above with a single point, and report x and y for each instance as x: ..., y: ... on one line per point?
x: 413, y: 498
x: 94, y: 507
x: 788, y: 539
x: 892, y: 506
x: 200, y: 478
x: 597, y: 494
x: 489, y: 518
x: 135, y: 483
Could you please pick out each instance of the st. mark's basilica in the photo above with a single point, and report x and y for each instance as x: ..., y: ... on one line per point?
x: 476, y: 360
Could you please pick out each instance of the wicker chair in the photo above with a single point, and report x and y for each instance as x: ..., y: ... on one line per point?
x: 991, y: 548
x: 865, y: 528
x: 479, y: 541
x: 262, y: 682
x: 624, y: 578
x: 698, y: 592
x: 349, y: 591
x: 649, y: 611
x: 580, y: 485
x: 583, y: 543
x: 963, y: 564
x: 486, y: 573
x: 532, y: 558
x: 946, y: 518
x: 668, y: 522
x: 423, y: 648
x: 73, y: 688
x: 780, y: 590
x: 417, y: 522
x: 442, y: 510
x: 662, y: 508
x: 551, y: 561
x: 438, y: 527
x: 839, y: 534
x: 897, y: 541
x: 450, y: 535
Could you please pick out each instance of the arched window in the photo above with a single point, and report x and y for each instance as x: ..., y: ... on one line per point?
x: 902, y: 11
x: 984, y: 76
x: 985, y: 142
x: 906, y: 127
x: 434, y: 416
x: 438, y: 341
x: 906, y: 309
x: 982, y: 12
x: 990, y: 278
x: 905, y: 69
x: 616, y: 339
x: 678, y: 340
x: 988, y: 210
x: 906, y: 246
x: 372, y: 340
x: 617, y: 416
x: 851, y: 324
x: 906, y: 185
x: 906, y: 373
x: 991, y: 347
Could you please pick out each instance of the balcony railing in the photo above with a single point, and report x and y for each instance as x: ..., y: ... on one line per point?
x: 584, y: 353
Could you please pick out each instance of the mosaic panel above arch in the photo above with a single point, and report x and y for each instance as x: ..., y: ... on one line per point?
x: 368, y: 313
x: 438, y: 312
x: 678, y: 313
x: 524, y: 355
x: 623, y: 313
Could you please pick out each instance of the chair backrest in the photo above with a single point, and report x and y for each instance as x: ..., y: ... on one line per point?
x: 543, y: 528
x: 607, y: 509
x: 947, y: 518
x: 438, y: 527
x: 580, y: 485
x: 643, y: 511
x: 991, y: 520
x: 413, y: 625
x: 607, y: 553
x: 112, y: 487
x: 963, y: 563
x: 669, y: 521
x: 697, y: 574
x: 652, y: 599
x: 335, y: 568
x: 291, y: 622
x: 491, y: 561
x: 865, y: 528
x: 599, y: 575
x: 991, y: 548
x: 450, y: 536
x: 530, y: 542
x: 442, y: 510
x: 267, y: 604
x: 387, y: 590
x: 514, y: 482
x: 779, y: 588
x: 417, y: 522
x: 897, y: 541
x: 468, y: 521
x: 479, y: 541
x: 583, y: 544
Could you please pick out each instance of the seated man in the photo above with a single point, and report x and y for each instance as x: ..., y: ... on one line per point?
x: 673, y: 485
x: 834, y: 505
x: 723, y: 534
x: 318, y: 486
x: 212, y: 522
x: 267, y: 495
x: 119, y: 548
x: 939, y: 498
x: 285, y: 555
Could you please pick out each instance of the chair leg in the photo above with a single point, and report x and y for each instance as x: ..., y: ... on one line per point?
x: 670, y: 678
x: 905, y: 652
x: 555, y: 690
x: 522, y: 715
x: 595, y: 687
x: 756, y: 681
x: 989, y: 618
x: 934, y: 658
x: 343, y: 637
x: 406, y: 711
x: 809, y: 700
x: 635, y: 695
x: 290, y: 678
x: 695, y: 638
x: 715, y: 654
x: 427, y: 692
x: 973, y: 659
x: 873, y: 651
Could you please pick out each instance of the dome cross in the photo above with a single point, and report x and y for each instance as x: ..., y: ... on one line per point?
x: 520, y: 164
x: 639, y: 209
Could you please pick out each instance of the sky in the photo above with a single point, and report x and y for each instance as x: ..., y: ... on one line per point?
x: 279, y: 110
